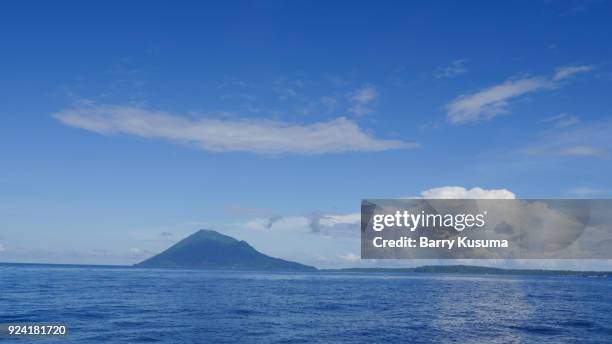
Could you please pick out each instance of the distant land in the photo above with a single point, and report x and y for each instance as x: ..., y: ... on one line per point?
x: 208, y: 249
x: 476, y: 270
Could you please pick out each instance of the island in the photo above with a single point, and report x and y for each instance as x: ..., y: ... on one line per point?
x: 209, y: 249
x: 474, y: 270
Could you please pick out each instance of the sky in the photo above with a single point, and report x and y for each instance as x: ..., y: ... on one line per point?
x: 127, y: 126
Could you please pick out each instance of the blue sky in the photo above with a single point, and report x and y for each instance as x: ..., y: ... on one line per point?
x: 126, y: 126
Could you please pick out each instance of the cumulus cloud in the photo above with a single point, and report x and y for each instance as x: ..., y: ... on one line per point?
x: 493, y: 101
x: 544, y: 229
x: 226, y: 135
x: 536, y: 228
x: 458, y: 192
x: 347, y: 225
x: 332, y: 237
x: 454, y: 69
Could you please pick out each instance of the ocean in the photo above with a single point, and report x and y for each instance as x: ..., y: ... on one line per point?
x: 121, y: 305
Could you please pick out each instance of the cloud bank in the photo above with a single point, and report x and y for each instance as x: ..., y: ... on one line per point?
x: 329, y: 239
x: 229, y: 135
x: 346, y: 225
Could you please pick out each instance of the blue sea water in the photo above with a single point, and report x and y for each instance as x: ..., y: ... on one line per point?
x: 115, y: 305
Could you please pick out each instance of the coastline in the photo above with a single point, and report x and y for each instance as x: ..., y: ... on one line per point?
x: 428, y: 269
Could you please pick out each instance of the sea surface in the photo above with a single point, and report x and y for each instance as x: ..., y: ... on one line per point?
x: 121, y: 305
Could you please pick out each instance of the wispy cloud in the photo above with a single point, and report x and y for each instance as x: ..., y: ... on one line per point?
x: 567, y: 71
x: 225, y: 135
x: 48, y: 255
x: 350, y: 257
x: 583, y: 151
x: 493, y: 101
x: 315, y: 222
x: 587, y: 191
x: 452, y: 70
x: 562, y: 120
x: 591, y: 139
x: 287, y: 88
x: 362, y: 98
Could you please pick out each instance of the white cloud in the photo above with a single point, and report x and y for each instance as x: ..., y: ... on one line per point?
x: 331, y: 220
x: 493, y: 101
x: 539, y: 224
x: 361, y: 99
x: 567, y: 71
x: 288, y: 88
x: 590, y: 139
x: 562, y: 120
x: 587, y: 191
x: 456, y: 68
x: 140, y: 253
x: 458, y: 192
x: 583, y: 151
x: 364, y: 95
x: 325, y: 224
x: 2, y: 249
x: 349, y: 257
x: 348, y: 224
x: 333, y: 238
x: 224, y: 135
x: 279, y: 223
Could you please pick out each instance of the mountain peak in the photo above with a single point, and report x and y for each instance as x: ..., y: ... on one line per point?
x: 209, y: 234
x: 209, y: 249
